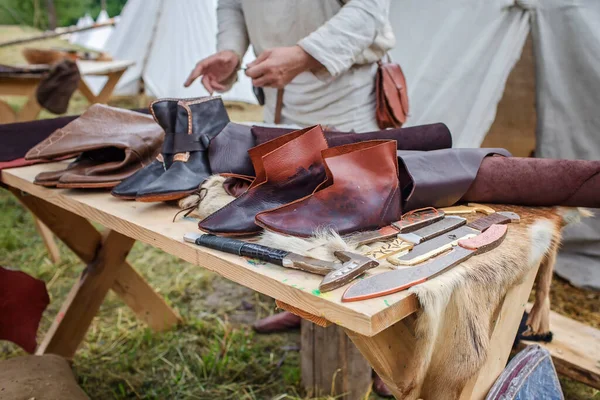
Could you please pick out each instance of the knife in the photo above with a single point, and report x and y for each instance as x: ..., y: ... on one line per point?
x: 352, y: 264
x: 409, y: 222
x: 470, y: 208
x: 426, y: 250
x: 401, y: 279
x: 406, y: 241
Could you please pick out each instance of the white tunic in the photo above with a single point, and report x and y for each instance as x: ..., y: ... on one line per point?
x: 342, y: 97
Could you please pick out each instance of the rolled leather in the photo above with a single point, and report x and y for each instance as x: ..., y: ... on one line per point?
x: 110, y: 144
x: 421, y: 137
x: 536, y: 182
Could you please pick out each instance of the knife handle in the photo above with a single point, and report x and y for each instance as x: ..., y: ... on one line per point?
x: 233, y: 246
x: 483, y: 223
x: 486, y: 241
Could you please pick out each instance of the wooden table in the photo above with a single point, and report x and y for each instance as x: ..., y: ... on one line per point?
x: 382, y: 329
x: 26, y: 85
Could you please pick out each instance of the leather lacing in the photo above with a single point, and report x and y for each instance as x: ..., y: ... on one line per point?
x: 201, y: 194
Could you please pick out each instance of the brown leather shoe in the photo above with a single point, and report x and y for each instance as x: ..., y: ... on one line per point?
x: 287, y: 168
x: 361, y: 192
x: 277, y: 323
x: 381, y: 388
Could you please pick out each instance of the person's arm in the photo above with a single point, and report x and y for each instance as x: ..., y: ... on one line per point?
x: 219, y: 71
x: 232, y: 33
x: 338, y: 42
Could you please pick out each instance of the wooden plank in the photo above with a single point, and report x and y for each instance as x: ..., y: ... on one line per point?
x: 49, y: 241
x: 575, y: 349
x: 143, y: 300
x: 84, y: 240
x: 83, y: 302
x: 146, y: 222
x: 102, y: 68
x: 331, y: 364
x: 503, y: 336
x: 320, y: 321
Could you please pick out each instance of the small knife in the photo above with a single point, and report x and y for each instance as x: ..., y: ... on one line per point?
x: 406, y: 241
x: 352, y: 264
x: 401, y: 279
x: 424, y: 251
x: 409, y: 222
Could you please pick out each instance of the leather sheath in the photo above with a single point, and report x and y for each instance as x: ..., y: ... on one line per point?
x: 536, y: 182
x: 439, y: 178
x: 361, y: 192
x: 111, y: 144
x: 287, y: 168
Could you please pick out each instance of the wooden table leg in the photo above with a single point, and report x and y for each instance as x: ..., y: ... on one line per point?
x: 84, y: 240
x: 86, y: 297
x: 105, y: 93
x: 7, y: 114
x: 30, y: 110
x: 49, y: 241
x: 392, y: 351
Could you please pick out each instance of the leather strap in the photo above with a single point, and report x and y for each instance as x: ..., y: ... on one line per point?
x: 278, y: 106
x: 184, y: 143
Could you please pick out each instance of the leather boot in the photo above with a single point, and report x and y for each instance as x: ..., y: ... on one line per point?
x: 277, y: 323
x: 361, y: 192
x: 381, y: 388
x: 164, y: 112
x: 287, y: 168
x: 197, y: 122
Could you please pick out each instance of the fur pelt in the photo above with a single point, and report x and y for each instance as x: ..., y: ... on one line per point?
x: 210, y: 198
x: 471, y: 293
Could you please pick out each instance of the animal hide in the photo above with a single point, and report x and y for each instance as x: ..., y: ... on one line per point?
x: 210, y: 198
x: 471, y: 293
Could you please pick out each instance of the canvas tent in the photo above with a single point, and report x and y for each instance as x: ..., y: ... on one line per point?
x: 166, y: 39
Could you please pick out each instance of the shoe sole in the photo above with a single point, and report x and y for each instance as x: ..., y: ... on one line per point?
x: 155, y: 198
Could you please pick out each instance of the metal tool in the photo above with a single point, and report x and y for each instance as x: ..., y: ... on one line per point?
x: 401, y: 279
x: 352, y: 264
x: 424, y: 251
x: 470, y: 208
x: 406, y: 241
x: 409, y: 222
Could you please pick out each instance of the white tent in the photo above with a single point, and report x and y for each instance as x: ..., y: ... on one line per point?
x: 166, y: 39
x: 98, y: 37
x: 81, y: 38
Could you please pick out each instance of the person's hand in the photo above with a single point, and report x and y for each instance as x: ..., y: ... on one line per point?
x: 277, y: 67
x: 217, y: 71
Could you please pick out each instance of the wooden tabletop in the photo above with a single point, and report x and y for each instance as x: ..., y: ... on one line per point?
x: 151, y: 223
x: 102, y: 67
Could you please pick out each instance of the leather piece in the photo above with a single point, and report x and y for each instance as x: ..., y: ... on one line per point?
x: 201, y: 118
x: 112, y: 143
x: 56, y: 88
x: 421, y: 137
x: 129, y: 188
x: 228, y: 152
x: 361, y: 192
x: 288, y: 168
x: 23, y: 299
x: 277, y: 323
x: 439, y: 178
x: 536, y: 182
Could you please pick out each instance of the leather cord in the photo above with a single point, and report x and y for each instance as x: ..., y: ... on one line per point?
x: 278, y: 106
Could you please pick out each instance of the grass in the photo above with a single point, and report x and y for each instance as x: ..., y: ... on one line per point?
x: 214, y: 354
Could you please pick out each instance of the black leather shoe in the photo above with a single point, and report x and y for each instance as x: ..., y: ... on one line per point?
x: 164, y: 112
x: 198, y: 122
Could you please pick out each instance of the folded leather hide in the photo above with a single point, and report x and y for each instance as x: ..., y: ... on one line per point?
x: 439, y: 178
x: 55, y: 90
x: 23, y: 299
x: 536, y: 182
x: 111, y: 144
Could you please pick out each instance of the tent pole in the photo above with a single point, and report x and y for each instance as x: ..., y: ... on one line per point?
x: 152, y: 37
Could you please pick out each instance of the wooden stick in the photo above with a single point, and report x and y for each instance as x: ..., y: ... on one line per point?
x: 57, y: 32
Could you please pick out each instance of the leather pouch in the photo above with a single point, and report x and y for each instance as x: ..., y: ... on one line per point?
x: 111, y: 144
x: 391, y: 96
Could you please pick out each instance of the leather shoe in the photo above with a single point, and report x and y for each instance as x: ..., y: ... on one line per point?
x: 277, y: 323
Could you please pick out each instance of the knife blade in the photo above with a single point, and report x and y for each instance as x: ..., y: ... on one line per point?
x: 470, y: 208
x: 409, y: 222
x: 406, y: 241
x: 423, y: 251
x: 397, y: 280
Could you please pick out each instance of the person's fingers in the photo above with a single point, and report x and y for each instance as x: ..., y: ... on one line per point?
x: 207, y: 85
x: 261, y: 57
x: 258, y: 70
x: 263, y: 81
x: 196, y: 72
x: 217, y: 85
